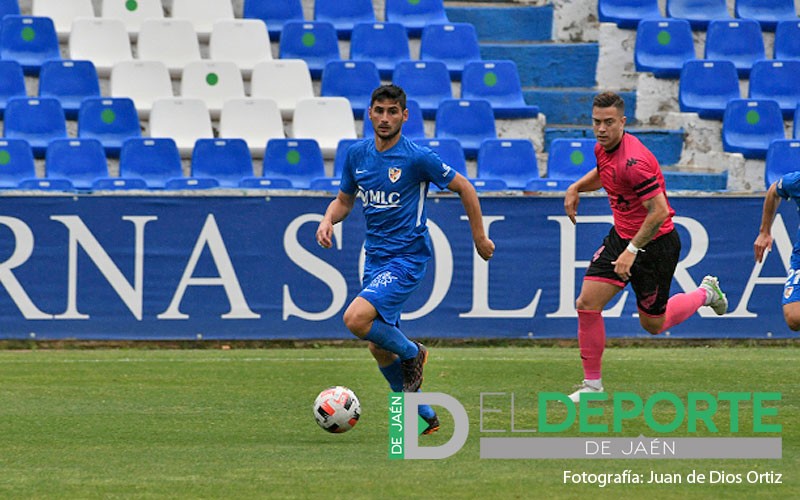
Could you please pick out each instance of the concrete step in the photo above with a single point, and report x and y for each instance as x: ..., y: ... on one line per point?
x: 506, y: 22
x: 571, y: 106
x: 549, y: 64
x: 695, y: 181
x: 666, y: 145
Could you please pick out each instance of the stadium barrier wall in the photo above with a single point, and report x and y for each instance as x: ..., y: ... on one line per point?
x: 240, y: 266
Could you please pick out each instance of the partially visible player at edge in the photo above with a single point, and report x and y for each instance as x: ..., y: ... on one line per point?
x: 787, y: 187
x: 642, y: 247
x: 390, y: 176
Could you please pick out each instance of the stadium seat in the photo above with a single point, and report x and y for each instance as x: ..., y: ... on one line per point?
x: 454, y: 44
x: 767, y: 12
x: 353, y: 80
x: 252, y: 119
x: 776, y: 80
x: 787, y: 41
x: 46, y: 184
x: 16, y: 162
x: 111, y: 120
x: 286, y: 81
x: 385, y: 44
x: 341, y: 156
x: 103, y: 41
x: 12, y: 83
x: 314, y: 42
x: 70, y: 82
x: 469, y: 121
x: 698, y: 12
x: 662, y: 46
x: 705, y: 87
x: 489, y: 184
x: 299, y: 160
x: 63, y: 12
x: 132, y: 14
x: 344, y: 15
x: 739, y: 41
x: 547, y: 184
x: 449, y: 150
x: 29, y: 40
x: 202, y: 14
x: 626, y: 14
x: 9, y: 7
x: 796, y: 124
x: 143, y: 81
x: 191, y: 183
x: 749, y: 125
x: 154, y: 160
x: 212, y: 81
x: 171, y: 41
x: 241, y: 41
x: 37, y: 120
x: 497, y: 82
x: 415, y: 15
x: 427, y: 82
x: 81, y: 161
x: 326, y: 120
x: 413, y: 128
x: 511, y: 160
x: 274, y: 14
x: 185, y: 120
x: 783, y: 157
x: 226, y: 160
x: 330, y: 184
x: 570, y: 159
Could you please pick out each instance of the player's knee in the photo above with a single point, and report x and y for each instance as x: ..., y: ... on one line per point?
x: 793, y: 322
x: 355, y: 323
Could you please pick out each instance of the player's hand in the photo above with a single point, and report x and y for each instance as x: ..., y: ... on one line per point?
x: 623, y: 264
x: 762, y: 245
x: 571, y: 200
x: 324, y: 232
x: 485, y: 248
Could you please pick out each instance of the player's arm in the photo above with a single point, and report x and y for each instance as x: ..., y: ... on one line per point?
x: 657, y: 213
x: 763, y: 241
x: 337, y: 211
x: 472, y: 206
x: 589, y: 182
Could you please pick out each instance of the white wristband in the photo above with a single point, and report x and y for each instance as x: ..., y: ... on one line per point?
x: 632, y: 249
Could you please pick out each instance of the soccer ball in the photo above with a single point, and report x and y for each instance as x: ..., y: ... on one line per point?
x: 337, y: 409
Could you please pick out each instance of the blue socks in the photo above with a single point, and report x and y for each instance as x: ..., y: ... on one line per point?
x: 390, y: 338
x: 394, y: 375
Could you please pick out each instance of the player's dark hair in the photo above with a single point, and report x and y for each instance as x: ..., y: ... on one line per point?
x: 389, y: 92
x: 609, y: 99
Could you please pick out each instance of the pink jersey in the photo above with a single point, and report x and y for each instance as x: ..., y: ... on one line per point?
x: 630, y: 175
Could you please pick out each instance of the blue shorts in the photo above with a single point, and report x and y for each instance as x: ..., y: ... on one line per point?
x: 791, y: 288
x: 389, y: 284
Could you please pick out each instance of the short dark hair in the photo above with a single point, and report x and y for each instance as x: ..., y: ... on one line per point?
x: 389, y: 92
x: 609, y: 99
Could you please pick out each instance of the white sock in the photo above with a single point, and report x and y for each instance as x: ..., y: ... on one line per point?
x: 595, y: 384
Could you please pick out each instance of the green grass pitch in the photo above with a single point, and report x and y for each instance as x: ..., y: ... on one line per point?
x: 238, y: 423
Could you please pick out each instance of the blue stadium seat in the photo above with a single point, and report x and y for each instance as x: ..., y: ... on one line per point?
x: 330, y: 184
x: 226, y: 160
x: 274, y: 14
x: 314, y: 42
x: 427, y: 82
x: 29, y: 40
x: 626, y: 14
x: 497, y: 82
x: 344, y: 15
x: 47, y: 184
x: 469, y: 121
x: 547, y: 184
x: 511, y: 160
x: 705, y: 87
x: 385, y: 44
x: 81, y: 161
x: 191, y: 183
x: 570, y: 159
x: 749, y: 125
x: 70, y: 82
x: 489, y: 184
x: 12, y: 83
x: 415, y: 15
x: 778, y: 80
x: 37, y: 120
x: 354, y: 80
x: 413, y: 128
x: 449, y: 150
x: 783, y: 157
x: 662, y: 46
x: 455, y: 44
x: 698, y: 12
x: 767, y: 12
x: 9, y: 7
x: 299, y: 160
x: 111, y: 120
x: 341, y: 156
x: 796, y: 124
x: 16, y: 162
x: 739, y: 41
x: 155, y: 160
x: 787, y: 41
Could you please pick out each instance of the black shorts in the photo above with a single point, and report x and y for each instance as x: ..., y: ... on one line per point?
x: 651, y: 274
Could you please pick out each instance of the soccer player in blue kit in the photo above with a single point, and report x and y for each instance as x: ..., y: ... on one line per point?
x: 390, y: 175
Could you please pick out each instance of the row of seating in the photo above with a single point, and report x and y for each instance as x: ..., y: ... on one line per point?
x: 627, y: 13
x: 662, y: 46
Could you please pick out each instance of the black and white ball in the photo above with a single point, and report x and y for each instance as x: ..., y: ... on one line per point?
x: 337, y: 409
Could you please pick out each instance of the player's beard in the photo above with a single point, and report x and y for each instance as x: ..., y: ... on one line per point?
x: 388, y: 137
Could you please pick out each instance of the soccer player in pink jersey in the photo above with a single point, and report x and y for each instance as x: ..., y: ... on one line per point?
x: 642, y: 247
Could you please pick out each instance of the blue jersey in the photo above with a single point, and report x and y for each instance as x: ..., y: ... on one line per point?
x: 789, y: 187
x: 392, y: 186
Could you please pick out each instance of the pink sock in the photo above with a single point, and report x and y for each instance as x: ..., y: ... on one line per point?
x: 592, y: 341
x: 682, y: 305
